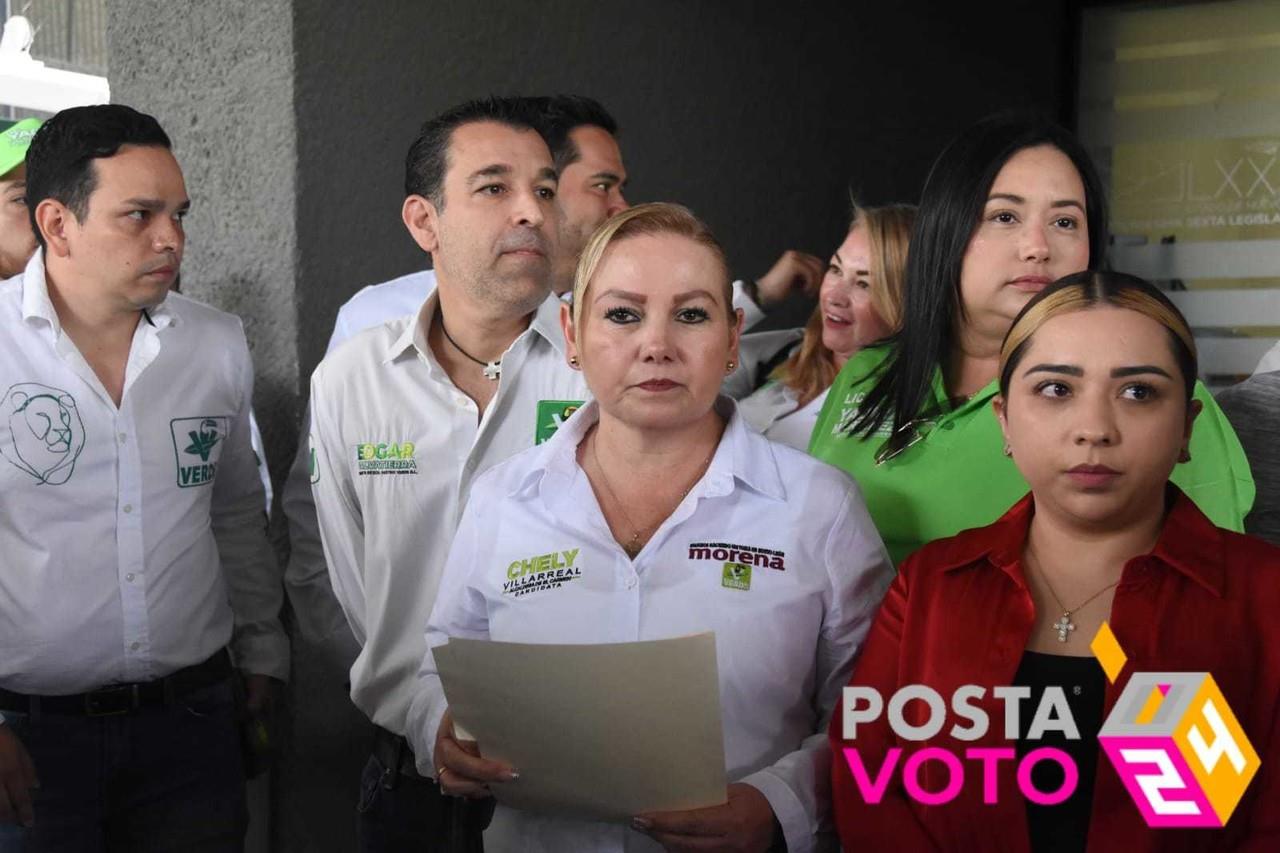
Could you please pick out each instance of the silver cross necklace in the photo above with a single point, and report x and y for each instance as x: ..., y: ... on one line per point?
x: 1064, y: 626
x: 492, y: 369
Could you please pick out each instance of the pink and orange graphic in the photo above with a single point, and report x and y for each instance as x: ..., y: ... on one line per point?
x: 1175, y: 743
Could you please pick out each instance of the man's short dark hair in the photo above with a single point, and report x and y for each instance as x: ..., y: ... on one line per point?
x: 428, y: 157
x: 60, y: 159
x: 562, y: 114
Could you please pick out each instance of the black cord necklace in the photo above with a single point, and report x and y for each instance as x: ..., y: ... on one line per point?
x: 492, y: 369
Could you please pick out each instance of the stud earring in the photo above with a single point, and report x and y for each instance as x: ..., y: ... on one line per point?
x: 729, y: 368
x: 573, y: 361
x: 1008, y: 451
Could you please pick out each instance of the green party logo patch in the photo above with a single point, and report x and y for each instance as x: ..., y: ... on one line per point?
x: 197, y: 447
x: 386, y: 457
x: 551, y: 415
x: 736, y: 576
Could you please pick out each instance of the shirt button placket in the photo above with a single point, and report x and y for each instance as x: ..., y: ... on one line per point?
x: 130, y: 553
x: 631, y: 581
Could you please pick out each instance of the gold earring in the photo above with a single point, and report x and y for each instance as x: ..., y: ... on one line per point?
x: 573, y: 361
x: 729, y: 368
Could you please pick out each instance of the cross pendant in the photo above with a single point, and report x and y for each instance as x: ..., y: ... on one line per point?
x: 493, y: 370
x: 1063, y: 625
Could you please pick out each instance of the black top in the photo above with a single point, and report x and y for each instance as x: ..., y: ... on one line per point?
x: 1064, y: 827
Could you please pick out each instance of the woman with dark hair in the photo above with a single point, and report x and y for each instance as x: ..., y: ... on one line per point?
x: 1096, y: 401
x: 1011, y: 205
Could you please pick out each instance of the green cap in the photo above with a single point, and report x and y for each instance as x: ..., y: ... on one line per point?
x: 14, y: 143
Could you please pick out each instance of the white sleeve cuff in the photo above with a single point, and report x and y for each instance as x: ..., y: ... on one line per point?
x: 787, y: 808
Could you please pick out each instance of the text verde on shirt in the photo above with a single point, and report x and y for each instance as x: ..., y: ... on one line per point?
x: 197, y: 447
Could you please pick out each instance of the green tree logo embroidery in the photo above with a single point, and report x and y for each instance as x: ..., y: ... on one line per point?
x: 203, y: 439
x: 44, y: 432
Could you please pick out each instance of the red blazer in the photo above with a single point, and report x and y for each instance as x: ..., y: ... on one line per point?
x: 960, y: 612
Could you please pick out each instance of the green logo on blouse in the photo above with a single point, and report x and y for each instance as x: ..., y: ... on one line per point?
x: 197, y: 447
x: 44, y: 434
x: 551, y: 414
x: 736, y: 576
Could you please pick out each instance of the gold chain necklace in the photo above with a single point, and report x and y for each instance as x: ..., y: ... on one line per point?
x: 1064, y: 626
x: 634, y: 545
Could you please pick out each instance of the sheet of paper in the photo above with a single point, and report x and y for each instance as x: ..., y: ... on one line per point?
x: 601, y: 731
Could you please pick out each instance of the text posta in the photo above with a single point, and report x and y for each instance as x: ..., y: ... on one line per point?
x: 862, y: 705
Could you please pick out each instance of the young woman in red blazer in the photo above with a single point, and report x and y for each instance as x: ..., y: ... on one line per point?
x: 1096, y: 378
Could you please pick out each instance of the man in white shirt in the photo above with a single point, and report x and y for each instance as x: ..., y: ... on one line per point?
x: 407, y: 414
x: 581, y: 135
x: 134, y: 542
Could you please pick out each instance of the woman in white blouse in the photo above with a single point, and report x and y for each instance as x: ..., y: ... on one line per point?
x: 860, y: 303
x: 644, y: 486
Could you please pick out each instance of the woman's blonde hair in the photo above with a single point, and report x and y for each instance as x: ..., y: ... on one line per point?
x: 812, y: 367
x: 1085, y: 290
x: 652, y: 218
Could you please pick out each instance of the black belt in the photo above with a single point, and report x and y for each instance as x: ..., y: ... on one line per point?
x: 395, y: 756
x: 124, y: 698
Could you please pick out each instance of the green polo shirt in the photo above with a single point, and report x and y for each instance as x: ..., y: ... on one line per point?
x: 957, y: 476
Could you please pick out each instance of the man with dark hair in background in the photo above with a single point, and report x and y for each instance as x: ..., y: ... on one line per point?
x: 135, y: 546
x: 405, y: 415
x: 581, y: 136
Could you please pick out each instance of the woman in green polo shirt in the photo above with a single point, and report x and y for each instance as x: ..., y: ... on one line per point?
x: 1010, y: 206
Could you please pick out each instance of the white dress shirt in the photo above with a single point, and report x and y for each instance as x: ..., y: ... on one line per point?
x: 397, y: 447
x: 786, y: 633
x: 775, y: 410
x: 132, y: 539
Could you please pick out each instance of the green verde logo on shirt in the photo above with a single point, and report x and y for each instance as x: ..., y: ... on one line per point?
x: 736, y: 576
x: 43, y: 434
x: 386, y: 457
x: 197, y: 447
x: 551, y: 414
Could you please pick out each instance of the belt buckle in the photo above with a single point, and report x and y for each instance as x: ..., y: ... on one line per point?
x: 112, y: 701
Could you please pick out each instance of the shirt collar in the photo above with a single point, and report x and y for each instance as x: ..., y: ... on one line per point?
x: 545, y: 323
x: 743, y: 456
x: 1189, y: 543
x: 36, y: 304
